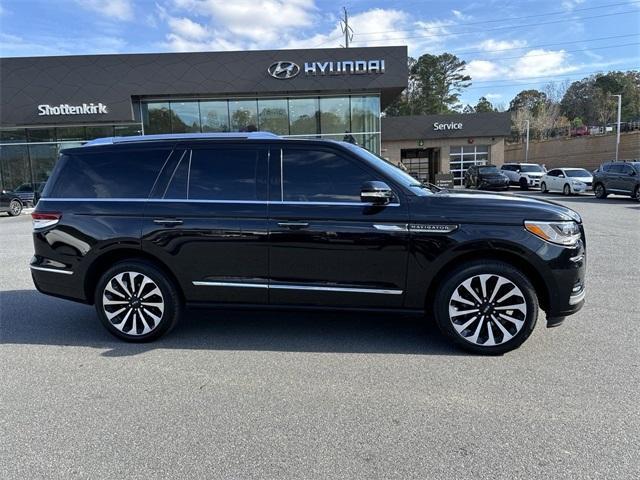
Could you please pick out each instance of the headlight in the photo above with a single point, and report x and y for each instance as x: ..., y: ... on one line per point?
x: 577, y: 182
x: 561, y: 233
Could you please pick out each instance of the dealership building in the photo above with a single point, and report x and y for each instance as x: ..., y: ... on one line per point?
x: 51, y: 103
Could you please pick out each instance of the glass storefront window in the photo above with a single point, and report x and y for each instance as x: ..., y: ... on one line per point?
x: 335, y: 115
x: 215, y: 116
x: 41, y: 134
x: 99, y: 132
x: 365, y: 114
x: 43, y: 158
x: 70, y: 133
x: 303, y: 116
x: 273, y: 116
x: 243, y: 115
x: 156, y: 117
x: 185, y: 117
x: 14, y: 163
x: 126, y: 130
x: 17, y: 135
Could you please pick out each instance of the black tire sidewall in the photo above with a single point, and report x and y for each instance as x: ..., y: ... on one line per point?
x: 604, y: 192
x: 523, y: 184
x: 172, y: 302
x: 566, y: 189
x: 543, y: 187
x: 447, y: 287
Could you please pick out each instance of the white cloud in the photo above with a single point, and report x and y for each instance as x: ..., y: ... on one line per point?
x: 187, y: 28
x: 540, y: 62
x: 493, y: 96
x: 459, y: 15
x: 484, y: 70
x: 571, y: 4
x: 492, y: 45
x: 116, y: 9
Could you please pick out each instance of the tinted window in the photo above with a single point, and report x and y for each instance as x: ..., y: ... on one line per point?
x: 508, y: 167
x: 227, y: 174
x: 616, y: 168
x: 578, y: 173
x: 320, y: 176
x: 553, y: 173
x: 531, y: 168
x: 114, y: 174
x: 178, y: 183
x: 488, y: 169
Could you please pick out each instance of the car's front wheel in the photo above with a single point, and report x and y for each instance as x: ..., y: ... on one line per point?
x: 523, y: 184
x: 136, y: 301
x: 566, y: 190
x: 543, y: 187
x: 636, y: 193
x: 15, y: 207
x: 600, y: 191
x: 486, y: 307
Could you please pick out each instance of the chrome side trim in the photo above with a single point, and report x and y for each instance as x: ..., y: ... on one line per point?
x: 230, y: 284
x: 432, y: 228
x: 298, y: 287
x: 336, y: 289
x: 391, y: 228
x: 52, y: 270
x: 184, y: 200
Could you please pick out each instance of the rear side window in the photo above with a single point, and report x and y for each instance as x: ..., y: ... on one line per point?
x: 321, y: 176
x: 227, y: 174
x: 113, y: 174
x: 616, y: 168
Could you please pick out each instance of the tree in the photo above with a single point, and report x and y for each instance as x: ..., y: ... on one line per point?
x: 484, y: 106
x: 435, y: 85
x: 468, y: 109
x: 530, y: 100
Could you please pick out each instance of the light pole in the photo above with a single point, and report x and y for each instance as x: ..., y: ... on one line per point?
x: 618, y: 128
x: 526, y: 148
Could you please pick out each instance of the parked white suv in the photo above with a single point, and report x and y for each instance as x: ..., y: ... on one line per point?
x: 566, y: 180
x: 525, y: 175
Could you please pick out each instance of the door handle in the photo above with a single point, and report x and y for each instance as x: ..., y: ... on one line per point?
x: 294, y: 225
x: 167, y: 221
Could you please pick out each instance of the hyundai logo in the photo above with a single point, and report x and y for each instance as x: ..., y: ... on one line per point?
x: 283, y: 70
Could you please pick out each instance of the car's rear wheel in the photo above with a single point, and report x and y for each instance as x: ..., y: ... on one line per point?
x: 137, y: 302
x: 486, y: 307
x: 523, y: 184
x: 15, y: 208
x: 600, y: 191
x: 543, y: 187
x: 566, y: 190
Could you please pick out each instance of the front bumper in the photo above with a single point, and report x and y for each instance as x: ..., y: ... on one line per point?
x: 533, y: 182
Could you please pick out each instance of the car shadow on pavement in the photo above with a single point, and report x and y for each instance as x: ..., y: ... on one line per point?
x: 587, y: 199
x: 30, y: 318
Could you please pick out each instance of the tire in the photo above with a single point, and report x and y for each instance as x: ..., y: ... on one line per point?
x: 636, y: 194
x: 15, y: 207
x: 466, y: 184
x: 543, y: 187
x: 600, y: 191
x: 151, y: 319
x: 566, y: 190
x: 453, y: 295
x: 523, y: 184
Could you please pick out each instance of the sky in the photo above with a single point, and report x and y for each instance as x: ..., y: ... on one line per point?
x: 509, y: 45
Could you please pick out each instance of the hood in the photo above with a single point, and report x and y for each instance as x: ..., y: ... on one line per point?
x: 490, y: 208
x: 492, y: 175
x: 533, y: 174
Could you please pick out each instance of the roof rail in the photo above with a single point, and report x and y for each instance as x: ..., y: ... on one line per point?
x: 181, y: 136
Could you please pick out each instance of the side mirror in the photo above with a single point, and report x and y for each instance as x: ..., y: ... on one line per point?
x: 561, y: 175
x: 378, y: 193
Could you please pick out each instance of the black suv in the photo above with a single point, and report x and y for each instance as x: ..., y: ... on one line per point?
x: 621, y: 178
x: 485, y: 177
x: 144, y: 226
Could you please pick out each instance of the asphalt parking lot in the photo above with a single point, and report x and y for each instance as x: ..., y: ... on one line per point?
x: 241, y: 395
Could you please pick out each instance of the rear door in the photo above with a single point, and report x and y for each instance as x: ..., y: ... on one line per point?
x: 628, y: 179
x: 207, y: 220
x: 327, y: 247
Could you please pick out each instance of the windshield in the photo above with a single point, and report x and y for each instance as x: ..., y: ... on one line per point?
x: 396, y: 173
x: 577, y: 173
x: 531, y: 168
x: 488, y: 169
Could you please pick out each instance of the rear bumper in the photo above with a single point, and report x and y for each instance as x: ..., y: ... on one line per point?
x: 56, y: 280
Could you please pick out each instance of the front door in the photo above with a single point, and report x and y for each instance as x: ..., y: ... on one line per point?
x: 207, y: 220
x: 327, y: 248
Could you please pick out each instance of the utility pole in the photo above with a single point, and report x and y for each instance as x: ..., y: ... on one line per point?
x: 618, y: 128
x: 346, y: 29
x: 526, y: 149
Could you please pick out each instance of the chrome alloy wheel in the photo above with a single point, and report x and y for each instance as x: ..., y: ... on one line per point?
x: 133, y: 303
x: 487, y: 310
x: 15, y: 207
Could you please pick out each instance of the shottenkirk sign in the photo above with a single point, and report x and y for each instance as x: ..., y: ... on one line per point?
x: 284, y: 69
x: 65, y: 109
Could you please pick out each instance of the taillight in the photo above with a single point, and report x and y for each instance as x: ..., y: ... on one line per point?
x: 43, y: 220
